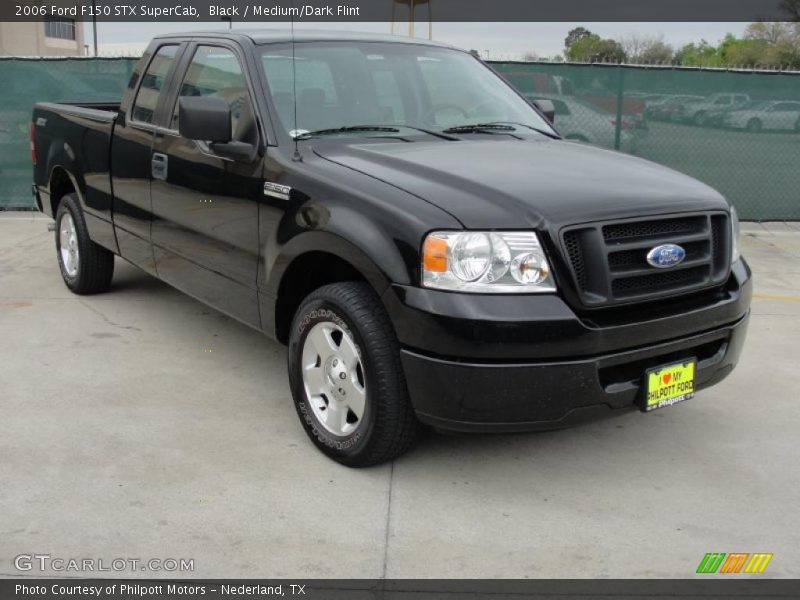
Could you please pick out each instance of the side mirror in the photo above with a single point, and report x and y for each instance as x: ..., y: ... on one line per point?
x: 238, y: 151
x: 204, y: 118
x: 548, y: 109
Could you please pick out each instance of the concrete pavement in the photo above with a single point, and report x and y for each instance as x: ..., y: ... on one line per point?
x: 142, y: 424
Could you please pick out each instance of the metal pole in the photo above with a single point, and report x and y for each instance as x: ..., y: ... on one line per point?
x: 618, y: 123
x: 411, y: 19
x: 94, y: 26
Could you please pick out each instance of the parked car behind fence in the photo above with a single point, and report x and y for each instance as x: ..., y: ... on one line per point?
x: 767, y: 115
x: 696, y: 113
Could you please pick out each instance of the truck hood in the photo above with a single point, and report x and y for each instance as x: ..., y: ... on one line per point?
x: 501, y: 184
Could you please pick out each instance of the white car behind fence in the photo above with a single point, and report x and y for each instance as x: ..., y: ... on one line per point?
x: 776, y: 115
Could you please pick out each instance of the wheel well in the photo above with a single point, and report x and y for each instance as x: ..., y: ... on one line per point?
x: 60, y: 186
x: 305, y: 274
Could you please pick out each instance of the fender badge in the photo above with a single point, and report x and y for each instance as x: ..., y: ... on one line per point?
x: 277, y: 190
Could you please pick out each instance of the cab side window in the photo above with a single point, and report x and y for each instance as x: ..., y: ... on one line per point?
x: 144, y: 107
x: 216, y: 72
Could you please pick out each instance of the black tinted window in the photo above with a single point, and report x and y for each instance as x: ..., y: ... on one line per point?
x: 144, y: 107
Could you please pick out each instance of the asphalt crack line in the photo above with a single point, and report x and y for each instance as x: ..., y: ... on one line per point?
x: 106, y: 319
x: 388, y: 523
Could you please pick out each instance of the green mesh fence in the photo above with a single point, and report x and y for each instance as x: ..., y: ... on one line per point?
x: 24, y: 82
x: 738, y: 131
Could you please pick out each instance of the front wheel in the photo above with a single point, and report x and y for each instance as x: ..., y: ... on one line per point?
x: 86, y: 267
x: 754, y: 126
x: 346, y: 376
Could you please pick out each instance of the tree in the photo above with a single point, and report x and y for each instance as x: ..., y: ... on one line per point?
x: 647, y: 49
x: 701, y: 54
x: 575, y: 35
x: 771, y: 33
x: 593, y: 48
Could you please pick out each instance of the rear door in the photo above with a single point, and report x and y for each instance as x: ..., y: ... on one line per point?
x: 783, y: 115
x: 205, y: 228
x: 131, y: 152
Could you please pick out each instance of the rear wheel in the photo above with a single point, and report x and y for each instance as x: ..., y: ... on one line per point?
x: 346, y: 377
x: 754, y: 126
x: 86, y: 267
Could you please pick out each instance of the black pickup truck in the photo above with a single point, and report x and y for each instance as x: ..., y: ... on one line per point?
x: 419, y: 235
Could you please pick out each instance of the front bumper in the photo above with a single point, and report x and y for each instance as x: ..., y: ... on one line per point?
x: 528, y: 363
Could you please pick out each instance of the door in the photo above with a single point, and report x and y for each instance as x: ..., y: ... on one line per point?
x: 205, y: 207
x: 782, y: 116
x: 131, y: 148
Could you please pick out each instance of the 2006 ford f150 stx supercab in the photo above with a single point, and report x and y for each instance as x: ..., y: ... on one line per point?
x: 419, y: 235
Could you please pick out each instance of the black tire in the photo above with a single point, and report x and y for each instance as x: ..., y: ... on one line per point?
x: 95, y: 264
x: 699, y: 118
x: 754, y: 126
x: 388, y: 427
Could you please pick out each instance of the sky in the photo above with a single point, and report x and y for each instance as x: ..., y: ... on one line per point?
x: 499, y: 40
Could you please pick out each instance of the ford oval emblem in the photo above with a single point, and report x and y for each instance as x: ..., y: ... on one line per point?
x: 666, y: 256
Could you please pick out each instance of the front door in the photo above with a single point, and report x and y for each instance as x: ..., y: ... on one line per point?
x: 205, y: 207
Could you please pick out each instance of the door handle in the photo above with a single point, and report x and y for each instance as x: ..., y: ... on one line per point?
x: 158, y: 166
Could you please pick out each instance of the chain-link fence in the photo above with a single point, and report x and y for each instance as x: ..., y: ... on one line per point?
x: 738, y: 131
x: 25, y: 81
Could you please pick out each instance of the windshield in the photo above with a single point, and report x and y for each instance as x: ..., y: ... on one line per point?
x: 755, y: 105
x: 410, y: 87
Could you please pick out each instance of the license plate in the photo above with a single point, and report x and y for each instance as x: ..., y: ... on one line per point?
x: 669, y: 385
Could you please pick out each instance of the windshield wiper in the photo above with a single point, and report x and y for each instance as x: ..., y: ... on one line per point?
x: 370, y: 128
x: 479, y: 127
x: 347, y: 129
x: 430, y: 132
x: 490, y: 128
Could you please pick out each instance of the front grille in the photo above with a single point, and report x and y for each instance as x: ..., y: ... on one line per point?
x: 609, y: 259
x: 644, y: 229
x: 575, y: 253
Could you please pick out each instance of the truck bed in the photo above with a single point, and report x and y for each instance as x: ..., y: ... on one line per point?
x: 102, y: 111
x: 75, y: 138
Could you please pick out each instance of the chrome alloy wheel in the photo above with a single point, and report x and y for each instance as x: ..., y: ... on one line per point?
x: 68, y: 242
x: 333, y: 377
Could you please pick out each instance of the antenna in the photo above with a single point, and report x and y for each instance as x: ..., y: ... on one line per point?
x: 296, y: 156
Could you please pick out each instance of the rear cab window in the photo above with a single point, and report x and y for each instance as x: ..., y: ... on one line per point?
x: 144, y: 106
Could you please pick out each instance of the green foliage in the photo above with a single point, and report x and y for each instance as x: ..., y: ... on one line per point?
x: 701, y: 54
x: 575, y: 35
x: 593, y: 48
x: 763, y: 45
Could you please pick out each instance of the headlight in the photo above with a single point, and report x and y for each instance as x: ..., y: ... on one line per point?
x: 502, y: 262
x: 735, y: 232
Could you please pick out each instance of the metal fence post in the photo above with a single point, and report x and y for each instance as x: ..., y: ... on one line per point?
x: 618, y: 120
